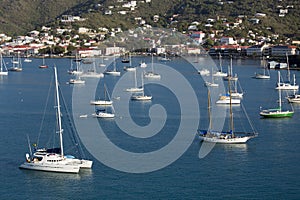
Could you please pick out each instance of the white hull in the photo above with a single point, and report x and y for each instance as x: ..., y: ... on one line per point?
x: 231, y: 78
x: 261, y: 76
x: 76, y: 81
x: 294, y: 98
x: 234, y: 140
x: 113, y: 73
x: 209, y: 84
x: 51, y: 167
x: 101, y: 102
x: 226, y: 100
x: 287, y: 86
x: 237, y: 95
x: 141, y: 98
x: 152, y: 75
x: 74, y: 72
x: 92, y: 75
x: 3, y: 73
x: 15, y: 69
x: 220, y: 74
x: 130, y: 69
x: 204, y: 72
x: 143, y: 65
x: 104, y: 115
x: 139, y: 89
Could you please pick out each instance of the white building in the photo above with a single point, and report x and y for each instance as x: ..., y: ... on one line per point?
x: 227, y: 40
x: 283, y: 50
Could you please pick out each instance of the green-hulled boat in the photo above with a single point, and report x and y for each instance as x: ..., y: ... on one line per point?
x: 277, y: 112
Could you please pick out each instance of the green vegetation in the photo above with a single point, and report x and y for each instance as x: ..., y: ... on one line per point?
x: 20, y: 16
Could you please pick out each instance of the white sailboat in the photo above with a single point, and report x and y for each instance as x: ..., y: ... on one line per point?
x: 77, y: 70
x: 103, y: 113
x: 106, y: 101
x: 54, y: 160
x: 113, y: 72
x: 3, y: 69
x: 141, y: 96
x: 287, y: 85
x: 135, y: 88
x: 143, y: 64
x: 17, y: 64
x: 227, y: 99
x: 77, y: 73
x: 225, y: 137
x: 152, y: 74
x: 212, y: 82
x: 92, y: 73
x: 220, y: 73
x: 295, y: 98
x: 230, y: 75
x: 235, y: 94
x: 265, y: 74
x: 102, y: 64
x: 130, y: 68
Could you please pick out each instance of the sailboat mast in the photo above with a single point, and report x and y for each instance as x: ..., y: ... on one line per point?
x: 220, y: 61
x: 209, y: 110
x: 230, y: 109
x: 152, y: 63
x: 279, y: 92
x: 58, y: 113
x: 288, y: 68
x: 1, y: 66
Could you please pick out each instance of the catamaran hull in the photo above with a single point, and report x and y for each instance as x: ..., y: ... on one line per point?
x: 51, y: 167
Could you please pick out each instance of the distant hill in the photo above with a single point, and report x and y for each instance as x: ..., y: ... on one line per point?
x: 21, y: 16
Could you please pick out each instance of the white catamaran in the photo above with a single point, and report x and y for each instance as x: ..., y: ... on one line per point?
x: 54, y: 160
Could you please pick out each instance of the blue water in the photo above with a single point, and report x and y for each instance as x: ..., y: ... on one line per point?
x: 267, y: 167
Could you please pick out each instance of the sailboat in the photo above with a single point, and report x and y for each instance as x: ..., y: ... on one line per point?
x: 235, y: 94
x: 54, y: 160
x: 264, y: 75
x: 211, y: 83
x: 152, y: 74
x: 135, y: 88
x: 76, y: 71
x: 113, y: 72
x: 106, y: 101
x: 287, y: 85
x: 143, y: 64
x: 3, y: 69
x: 43, y: 65
x: 92, y: 73
x: 17, y: 65
x: 102, y: 62
x: 277, y: 112
x: 130, y: 68
x: 230, y: 73
x: 295, y: 98
x: 165, y: 58
x: 141, y: 96
x: 225, y: 137
x: 220, y: 73
x: 27, y: 59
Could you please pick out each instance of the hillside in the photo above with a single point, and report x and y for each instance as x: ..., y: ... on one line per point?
x: 21, y: 16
